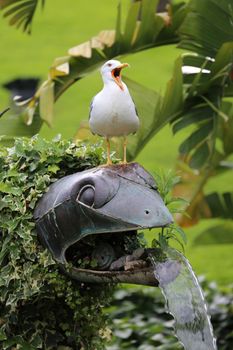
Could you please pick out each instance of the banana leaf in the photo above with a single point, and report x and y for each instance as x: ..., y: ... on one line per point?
x: 207, y: 26
x: 193, y: 183
x: 220, y: 205
x: 203, y: 105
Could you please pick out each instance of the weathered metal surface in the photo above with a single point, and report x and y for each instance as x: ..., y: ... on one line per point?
x: 143, y: 276
x: 116, y: 198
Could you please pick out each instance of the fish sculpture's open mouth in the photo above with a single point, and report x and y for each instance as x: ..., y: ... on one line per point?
x: 112, y: 257
x: 90, y: 221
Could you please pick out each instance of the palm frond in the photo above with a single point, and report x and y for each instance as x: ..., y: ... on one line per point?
x: 203, y: 104
x: 207, y: 30
x: 207, y: 26
x: 193, y: 183
x: 20, y: 12
x: 220, y: 204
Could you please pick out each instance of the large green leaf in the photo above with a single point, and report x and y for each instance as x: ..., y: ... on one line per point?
x: 192, y: 184
x: 203, y: 104
x: 200, y: 155
x: 47, y: 102
x: 21, y: 12
x: 150, y: 25
x: 198, y: 114
x: 13, y: 125
x: 146, y: 111
x: 207, y: 31
x: 226, y: 132
x: 207, y: 25
x: 220, y: 205
x: 219, y: 234
x: 196, y: 138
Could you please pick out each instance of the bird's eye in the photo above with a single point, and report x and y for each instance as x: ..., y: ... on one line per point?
x: 109, y: 64
x: 86, y: 195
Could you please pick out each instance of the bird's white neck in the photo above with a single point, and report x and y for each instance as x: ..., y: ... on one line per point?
x: 107, y: 79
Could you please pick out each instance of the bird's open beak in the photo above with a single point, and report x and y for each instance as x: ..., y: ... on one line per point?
x: 116, y: 74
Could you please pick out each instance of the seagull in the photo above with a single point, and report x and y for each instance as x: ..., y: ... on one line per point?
x: 112, y: 110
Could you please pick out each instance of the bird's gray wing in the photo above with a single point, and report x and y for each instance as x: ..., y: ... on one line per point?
x: 136, y: 111
x: 91, y: 107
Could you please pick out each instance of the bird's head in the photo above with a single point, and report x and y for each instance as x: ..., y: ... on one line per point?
x: 111, y: 71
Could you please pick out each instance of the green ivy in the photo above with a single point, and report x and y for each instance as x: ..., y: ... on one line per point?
x: 40, y: 308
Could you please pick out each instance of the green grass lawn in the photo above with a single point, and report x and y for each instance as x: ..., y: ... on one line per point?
x: 63, y: 25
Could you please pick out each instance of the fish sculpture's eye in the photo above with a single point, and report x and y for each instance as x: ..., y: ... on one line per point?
x: 86, y: 195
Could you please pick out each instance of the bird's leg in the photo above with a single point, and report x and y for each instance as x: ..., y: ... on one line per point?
x: 124, y: 147
x: 109, y: 161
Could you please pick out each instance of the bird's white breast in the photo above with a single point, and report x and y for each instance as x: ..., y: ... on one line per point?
x: 113, y: 112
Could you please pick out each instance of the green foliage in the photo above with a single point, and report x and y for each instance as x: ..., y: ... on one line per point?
x: 166, y: 182
x: 207, y: 30
x: 204, y: 106
x: 39, y: 307
x: 208, y: 109
x: 207, y: 25
x: 21, y: 12
x: 140, y: 320
x: 220, y: 205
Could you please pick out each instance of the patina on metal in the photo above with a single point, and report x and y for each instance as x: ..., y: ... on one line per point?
x: 104, y: 202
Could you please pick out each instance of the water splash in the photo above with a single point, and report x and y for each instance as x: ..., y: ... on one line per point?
x: 184, y: 300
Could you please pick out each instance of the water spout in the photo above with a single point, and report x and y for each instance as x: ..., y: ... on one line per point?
x: 184, y: 300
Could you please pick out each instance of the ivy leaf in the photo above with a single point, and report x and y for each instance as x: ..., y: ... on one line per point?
x: 6, y: 188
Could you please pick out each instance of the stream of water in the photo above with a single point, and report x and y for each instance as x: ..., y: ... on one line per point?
x: 184, y: 300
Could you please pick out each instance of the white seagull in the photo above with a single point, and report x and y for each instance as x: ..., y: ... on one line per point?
x: 112, y: 111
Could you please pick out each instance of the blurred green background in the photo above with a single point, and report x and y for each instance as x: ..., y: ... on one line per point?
x: 64, y: 24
